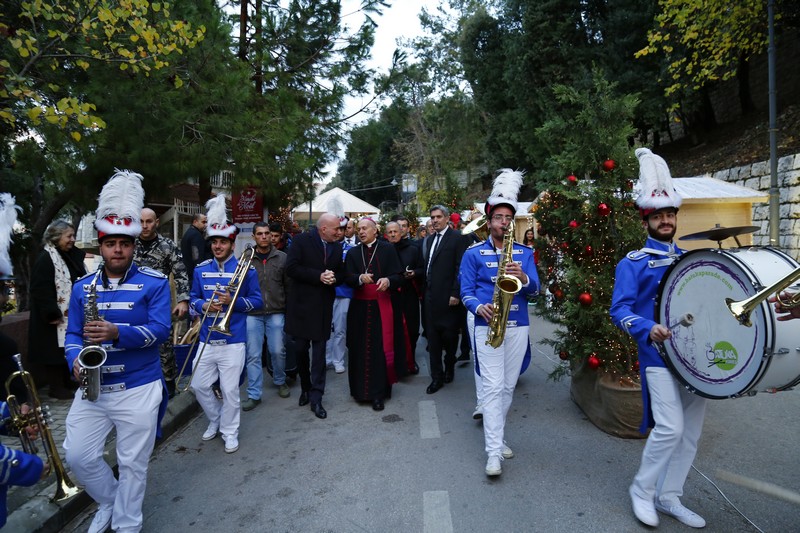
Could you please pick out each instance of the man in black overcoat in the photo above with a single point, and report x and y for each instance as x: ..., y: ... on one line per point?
x: 314, y: 264
x: 410, y: 290
x: 442, y: 303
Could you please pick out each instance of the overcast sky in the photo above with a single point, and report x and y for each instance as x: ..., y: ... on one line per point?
x: 401, y: 20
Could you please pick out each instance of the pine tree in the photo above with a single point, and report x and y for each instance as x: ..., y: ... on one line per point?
x: 587, y: 223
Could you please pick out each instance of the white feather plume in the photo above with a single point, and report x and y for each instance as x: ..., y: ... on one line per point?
x: 216, y: 211
x: 656, y: 190
x: 335, y: 207
x: 8, y: 217
x: 505, y: 188
x: 122, y: 197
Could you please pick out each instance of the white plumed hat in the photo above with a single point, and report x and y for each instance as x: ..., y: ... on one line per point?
x: 217, y: 214
x: 335, y: 207
x: 119, y: 206
x: 656, y: 190
x: 505, y: 190
x: 8, y: 217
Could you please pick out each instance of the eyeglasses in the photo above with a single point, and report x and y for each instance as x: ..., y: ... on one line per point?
x: 500, y: 218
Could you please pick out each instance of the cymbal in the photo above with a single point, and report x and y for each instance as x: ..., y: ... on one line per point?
x: 719, y: 233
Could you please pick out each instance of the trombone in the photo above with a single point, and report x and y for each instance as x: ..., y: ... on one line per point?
x: 220, y: 324
x: 742, y: 309
x: 39, y: 417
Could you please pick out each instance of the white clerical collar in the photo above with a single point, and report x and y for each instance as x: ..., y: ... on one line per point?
x: 370, y: 244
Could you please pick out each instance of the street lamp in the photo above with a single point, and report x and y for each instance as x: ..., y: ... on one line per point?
x: 399, y: 198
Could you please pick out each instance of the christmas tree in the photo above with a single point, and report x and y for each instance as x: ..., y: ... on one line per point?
x: 587, y: 223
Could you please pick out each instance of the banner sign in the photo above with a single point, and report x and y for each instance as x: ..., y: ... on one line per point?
x: 248, y: 206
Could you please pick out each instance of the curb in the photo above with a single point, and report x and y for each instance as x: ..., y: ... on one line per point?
x: 39, y: 515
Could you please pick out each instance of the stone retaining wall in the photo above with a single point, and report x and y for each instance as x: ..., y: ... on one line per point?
x: 756, y: 176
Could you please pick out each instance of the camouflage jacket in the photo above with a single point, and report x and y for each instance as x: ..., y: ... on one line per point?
x: 165, y: 257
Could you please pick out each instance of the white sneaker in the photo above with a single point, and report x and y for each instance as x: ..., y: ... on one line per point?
x: 211, y: 432
x: 231, y: 444
x: 681, y: 514
x: 644, y: 510
x: 477, y: 414
x: 493, y: 467
x: 101, y: 520
x: 508, y: 453
x: 339, y: 369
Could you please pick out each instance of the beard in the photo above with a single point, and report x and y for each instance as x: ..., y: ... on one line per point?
x: 659, y: 236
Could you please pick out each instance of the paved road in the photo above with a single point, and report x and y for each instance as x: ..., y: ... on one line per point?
x: 418, y: 465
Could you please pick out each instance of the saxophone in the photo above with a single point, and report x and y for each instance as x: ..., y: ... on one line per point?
x: 92, y: 356
x: 505, y: 287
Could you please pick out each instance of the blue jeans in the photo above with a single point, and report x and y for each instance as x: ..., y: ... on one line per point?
x: 257, y: 327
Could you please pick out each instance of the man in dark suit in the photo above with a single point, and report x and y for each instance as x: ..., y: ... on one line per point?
x: 444, y: 249
x: 315, y: 265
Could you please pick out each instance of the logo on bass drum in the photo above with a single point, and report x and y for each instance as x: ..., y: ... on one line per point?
x: 723, y: 356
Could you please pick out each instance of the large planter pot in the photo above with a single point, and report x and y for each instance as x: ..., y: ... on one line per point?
x: 612, y: 406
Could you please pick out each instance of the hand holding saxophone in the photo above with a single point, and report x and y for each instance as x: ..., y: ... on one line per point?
x: 98, y: 331
x: 515, y: 269
x: 486, y: 311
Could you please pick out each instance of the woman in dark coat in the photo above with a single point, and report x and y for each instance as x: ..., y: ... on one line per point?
x: 55, y: 270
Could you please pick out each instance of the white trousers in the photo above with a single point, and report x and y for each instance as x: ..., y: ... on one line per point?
x: 500, y: 368
x: 478, y: 379
x: 672, y: 444
x: 134, y: 414
x: 337, y: 344
x: 225, y: 363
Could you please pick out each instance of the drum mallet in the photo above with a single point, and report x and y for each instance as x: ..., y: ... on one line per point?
x: 757, y: 485
x: 684, y: 320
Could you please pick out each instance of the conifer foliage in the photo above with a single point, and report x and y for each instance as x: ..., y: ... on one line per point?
x: 586, y: 223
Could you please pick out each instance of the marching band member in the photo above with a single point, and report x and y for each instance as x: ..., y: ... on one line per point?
x: 223, y: 356
x: 134, y: 318
x: 675, y: 414
x: 499, y: 367
x: 16, y: 467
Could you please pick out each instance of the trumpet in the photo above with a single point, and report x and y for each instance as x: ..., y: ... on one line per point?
x: 742, y: 309
x: 220, y: 324
x: 39, y: 417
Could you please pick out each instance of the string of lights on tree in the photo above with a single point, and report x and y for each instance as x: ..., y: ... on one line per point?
x: 585, y: 226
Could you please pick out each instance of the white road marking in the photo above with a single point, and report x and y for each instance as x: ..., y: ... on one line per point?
x: 436, y: 510
x: 428, y: 421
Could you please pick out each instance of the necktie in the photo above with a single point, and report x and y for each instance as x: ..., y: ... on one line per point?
x: 433, y: 249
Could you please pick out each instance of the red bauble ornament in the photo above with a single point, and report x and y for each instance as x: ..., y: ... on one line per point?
x: 609, y: 165
x: 603, y: 210
x: 573, y: 224
x: 563, y: 355
x: 565, y: 245
x: 559, y: 294
x: 593, y: 362
x: 589, y: 250
x: 572, y: 179
x: 636, y: 366
x: 585, y: 299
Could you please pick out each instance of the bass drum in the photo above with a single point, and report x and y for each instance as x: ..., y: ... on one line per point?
x: 711, y: 353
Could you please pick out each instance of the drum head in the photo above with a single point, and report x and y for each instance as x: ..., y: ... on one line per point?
x: 712, y: 353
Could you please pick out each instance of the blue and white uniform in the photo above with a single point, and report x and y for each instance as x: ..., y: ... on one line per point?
x: 16, y: 468
x: 337, y: 344
x: 223, y: 355
x: 131, y: 392
x: 675, y: 414
x: 500, y: 367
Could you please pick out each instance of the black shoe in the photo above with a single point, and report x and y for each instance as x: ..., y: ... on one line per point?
x: 448, y: 376
x: 303, y: 399
x: 434, y: 386
x: 377, y: 404
x: 319, y: 411
x: 463, y: 359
